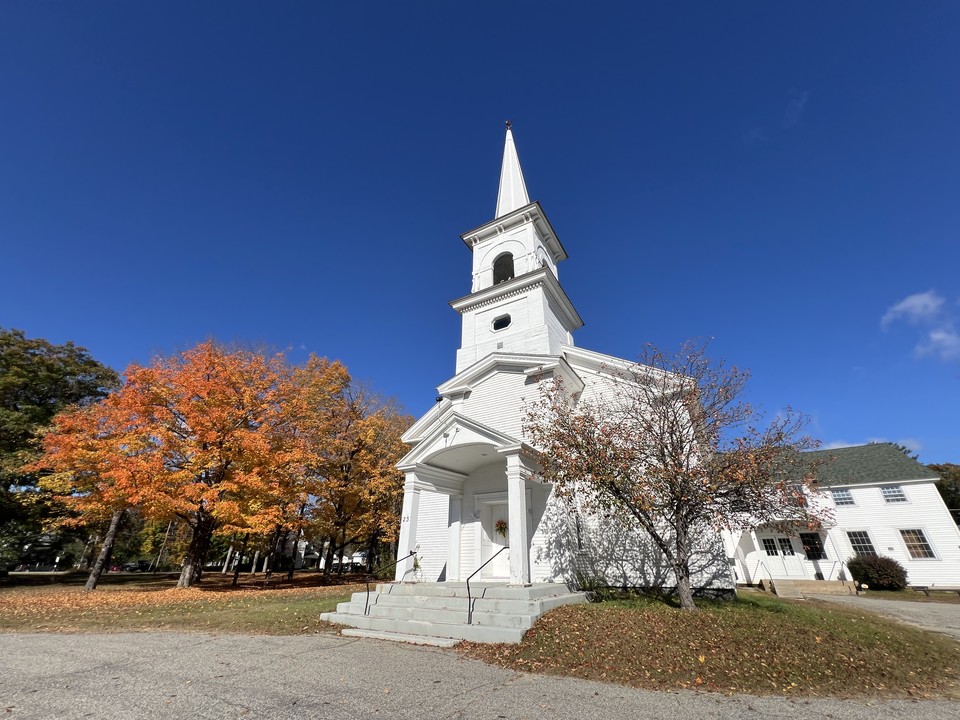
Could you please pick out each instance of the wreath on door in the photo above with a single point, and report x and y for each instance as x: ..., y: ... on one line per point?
x: 501, y: 528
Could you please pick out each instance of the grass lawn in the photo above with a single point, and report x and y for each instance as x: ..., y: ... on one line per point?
x: 949, y: 598
x: 758, y: 644
x: 143, y: 602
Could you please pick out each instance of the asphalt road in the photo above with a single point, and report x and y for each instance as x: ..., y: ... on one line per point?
x: 938, y: 617
x: 168, y: 675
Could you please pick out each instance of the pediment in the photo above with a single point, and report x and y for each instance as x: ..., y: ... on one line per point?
x: 472, y: 376
x: 452, y: 430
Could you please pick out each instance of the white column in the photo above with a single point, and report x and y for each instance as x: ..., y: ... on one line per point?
x: 453, y: 538
x: 519, y: 528
x: 408, y: 528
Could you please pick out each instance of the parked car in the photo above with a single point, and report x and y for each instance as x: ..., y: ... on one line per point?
x: 138, y: 566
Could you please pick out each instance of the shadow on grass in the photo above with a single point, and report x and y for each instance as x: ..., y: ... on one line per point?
x: 637, y: 599
x: 212, y: 581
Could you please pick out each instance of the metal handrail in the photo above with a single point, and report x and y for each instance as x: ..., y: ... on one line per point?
x: 371, y: 576
x: 761, y: 564
x: 469, y: 597
x: 839, y: 560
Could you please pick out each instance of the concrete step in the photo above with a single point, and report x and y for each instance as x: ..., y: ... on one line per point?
x: 800, y: 588
x: 497, y: 591
x: 501, y: 613
x: 459, y: 604
x: 451, y: 617
x: 400, y: 637
x: 472, y: 633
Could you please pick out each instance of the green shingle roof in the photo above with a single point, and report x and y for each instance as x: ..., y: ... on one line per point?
x: 869, y: 464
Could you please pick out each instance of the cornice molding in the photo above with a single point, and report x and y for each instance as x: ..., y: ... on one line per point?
x: 531, y: 213
x: 541, y: 277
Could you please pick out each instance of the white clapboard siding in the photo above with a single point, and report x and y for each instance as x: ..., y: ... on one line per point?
x: 432, y: 523
x: 883, y: 521
x: 497, y: 402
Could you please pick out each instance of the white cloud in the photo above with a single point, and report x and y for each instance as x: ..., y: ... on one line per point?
x: 795, y: 108
x: 753, y: 136
x: 911, y: 444
x: 929, y: 311
x: 942, y: 342
x: 834, y: 444
x: 915, y: 309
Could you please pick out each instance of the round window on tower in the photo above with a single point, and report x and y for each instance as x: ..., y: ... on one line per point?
x: 501, y: 323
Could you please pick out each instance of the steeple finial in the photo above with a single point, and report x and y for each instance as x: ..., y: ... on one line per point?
x: 513, y: 190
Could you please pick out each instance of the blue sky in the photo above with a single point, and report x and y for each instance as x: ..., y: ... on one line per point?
x: 781, y: 177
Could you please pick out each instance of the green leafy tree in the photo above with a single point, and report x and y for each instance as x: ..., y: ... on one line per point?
x: 37, y: 380
x: 949, y: 486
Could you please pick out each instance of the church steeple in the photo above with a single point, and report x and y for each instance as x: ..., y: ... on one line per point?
x: 516, y: 303
x: 513, y: 190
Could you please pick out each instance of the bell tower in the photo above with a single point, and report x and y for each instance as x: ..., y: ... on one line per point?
x: 516, y: 304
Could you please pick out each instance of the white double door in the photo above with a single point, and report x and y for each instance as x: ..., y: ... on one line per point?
x: 790, y: 562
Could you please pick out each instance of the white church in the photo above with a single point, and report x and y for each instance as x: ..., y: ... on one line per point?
x: 473, y: 507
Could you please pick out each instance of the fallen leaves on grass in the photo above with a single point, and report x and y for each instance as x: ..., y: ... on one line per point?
x: 766, y: 648
x: 274, y: 610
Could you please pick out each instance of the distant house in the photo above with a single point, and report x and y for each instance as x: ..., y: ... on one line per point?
x: 883, y: 503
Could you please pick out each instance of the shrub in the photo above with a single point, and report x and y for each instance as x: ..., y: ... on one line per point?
x: 878, y: 572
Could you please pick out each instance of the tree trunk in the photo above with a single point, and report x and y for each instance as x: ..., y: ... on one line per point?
x: 226, y: 563
x: 253, y: 565
x: 197, y: 552
x: 88, y: 551
x: 105, y: 552
x: 328, y: 561
x: 268, y: 563
x: 239, y: 559
x: 681, y: 568
x: 294, y: 554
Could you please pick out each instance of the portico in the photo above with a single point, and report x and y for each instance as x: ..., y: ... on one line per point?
x: 485, y: 479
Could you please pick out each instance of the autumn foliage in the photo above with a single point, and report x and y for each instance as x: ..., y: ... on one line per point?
x: 672, y: 446
x: 225, y: 441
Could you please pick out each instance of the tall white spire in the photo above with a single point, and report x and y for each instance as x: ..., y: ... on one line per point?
x: 513, y: 191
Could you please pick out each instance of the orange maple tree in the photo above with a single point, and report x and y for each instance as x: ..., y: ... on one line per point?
x: 350, y: 443
x: 233, y: 442
x: 192, y: 436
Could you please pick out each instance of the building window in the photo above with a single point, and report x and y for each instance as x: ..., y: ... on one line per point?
x: 842, y: 497
x: 917, y: 544
x: 501, y: 322
x: 893, y: 493
x: 770, y: 546
x: 503, y: 268
x: 813, y: 546
x: 786, y: 547
x: 860, y: 541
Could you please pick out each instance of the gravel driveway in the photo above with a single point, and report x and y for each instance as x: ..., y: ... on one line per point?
x: 170, y: 675
x: 938, y: 617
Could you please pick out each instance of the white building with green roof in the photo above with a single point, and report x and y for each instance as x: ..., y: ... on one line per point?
x: 883, y: 503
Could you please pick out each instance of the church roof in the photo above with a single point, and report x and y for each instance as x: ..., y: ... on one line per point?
x: 869, y: 464
x: 513, y: 190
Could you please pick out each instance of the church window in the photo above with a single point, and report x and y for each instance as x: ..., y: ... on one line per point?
x: 503, y: 268
x: 501, y: 322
